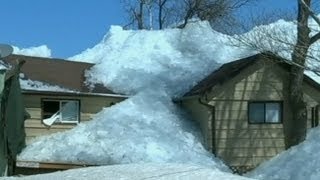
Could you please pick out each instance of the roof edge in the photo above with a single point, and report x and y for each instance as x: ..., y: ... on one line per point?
x: 34, y: 92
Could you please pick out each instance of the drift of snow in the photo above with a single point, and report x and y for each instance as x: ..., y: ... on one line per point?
x: 279, y: 38
x: 28, y: 84
x: 128, y: 61
x: 158, y: 65
x: 138, y: 172
x: 145, y: 128
x: 299, y: 162
x: 40, y: 51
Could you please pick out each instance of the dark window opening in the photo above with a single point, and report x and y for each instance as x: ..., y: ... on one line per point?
x: 265, y: 112
x: 60, y: 111
x: 49, y: 108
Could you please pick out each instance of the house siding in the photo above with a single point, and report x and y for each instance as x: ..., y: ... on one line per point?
x: 237, y: 142
x: 203, y: 116
x: 88, y: 107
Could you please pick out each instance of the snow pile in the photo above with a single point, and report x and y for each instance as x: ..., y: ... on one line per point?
x: 299, y: 162
x: 145, y: 128
x: 158, y: 65
x: 279, y: 38
x: 138, y: 172
x: 128, y: 61
x: 40, y: 51
x: 138, y: 59
x: 28, y: 84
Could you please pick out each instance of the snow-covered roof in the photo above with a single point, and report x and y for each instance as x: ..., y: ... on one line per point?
x: 47, y: 74
x: 233, y: 68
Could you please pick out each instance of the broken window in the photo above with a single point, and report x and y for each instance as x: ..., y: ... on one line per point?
x: 60, y: 111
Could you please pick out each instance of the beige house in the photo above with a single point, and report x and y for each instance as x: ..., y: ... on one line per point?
x: 54, y: 109
x: 243, y: 109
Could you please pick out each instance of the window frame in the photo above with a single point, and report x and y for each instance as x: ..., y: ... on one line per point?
x: 61, y: 122
x: 264, y: 117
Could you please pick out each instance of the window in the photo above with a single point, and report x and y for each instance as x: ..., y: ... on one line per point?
x: 60, y: 111
x: 265, y: 112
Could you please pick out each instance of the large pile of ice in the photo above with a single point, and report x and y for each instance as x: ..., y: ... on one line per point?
x: 145, y: 128
x: 128, y: 61
x: 138, y: 172
x: 158, y: 65
x: 299, y: 162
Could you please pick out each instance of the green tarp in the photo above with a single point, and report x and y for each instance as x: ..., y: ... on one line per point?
x: 3, y: 142
x: 12, y: 136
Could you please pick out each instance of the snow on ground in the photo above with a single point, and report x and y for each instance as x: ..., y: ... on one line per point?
x: 299, y: 162
x: 145, y: 128
x: 138, y: 172
x: 40, y: 51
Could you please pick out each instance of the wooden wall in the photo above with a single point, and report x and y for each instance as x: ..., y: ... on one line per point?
x: 89, y: 105
x: 233, y: 139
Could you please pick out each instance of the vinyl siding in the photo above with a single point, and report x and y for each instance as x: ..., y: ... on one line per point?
x: 89, y: 106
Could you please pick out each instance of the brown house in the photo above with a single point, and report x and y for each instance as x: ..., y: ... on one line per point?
x: 243, y: 109
x: 54, y: 110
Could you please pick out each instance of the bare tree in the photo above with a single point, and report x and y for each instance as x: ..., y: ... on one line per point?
x: 297, y: 132
x: 161, y: 8
x: 137, y: 11
x: 211, y: 10
x: 168, y: 12
x: 303, y: 57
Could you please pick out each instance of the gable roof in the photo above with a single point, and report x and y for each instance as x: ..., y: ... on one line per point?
x: 64, y: 73
x: 231, y: 69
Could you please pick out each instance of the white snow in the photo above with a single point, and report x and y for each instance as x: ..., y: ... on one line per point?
x: 145, y: 128
x: 153, y: 67
x: 299, y: 162
x: 28, y: 84
x: 128, y: 61
x: 39, y: 51
x: 138, y: 172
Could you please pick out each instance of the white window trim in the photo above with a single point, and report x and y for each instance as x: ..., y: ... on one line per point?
x: 60, y: 114
x: 60, y: 120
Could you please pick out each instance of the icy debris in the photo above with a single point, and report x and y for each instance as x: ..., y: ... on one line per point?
x: 162, y: 171
x: 28, y: 84
x: 299, y: 162
x: 40, y: 51
x: 138, y: 59
x: 128, y: 61
x: 145, y: 128
x: 158, y: 65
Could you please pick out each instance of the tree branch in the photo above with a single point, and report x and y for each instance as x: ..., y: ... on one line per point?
x: 314, y: 38
x: 311, y: 13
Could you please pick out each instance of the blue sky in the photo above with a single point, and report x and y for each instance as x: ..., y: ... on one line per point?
x: 68, y: 27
